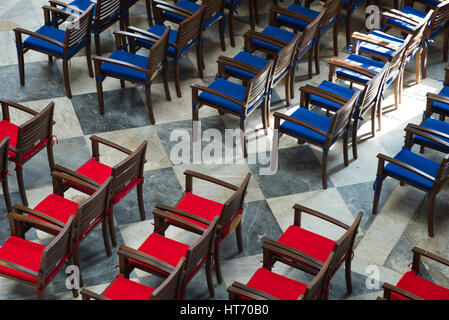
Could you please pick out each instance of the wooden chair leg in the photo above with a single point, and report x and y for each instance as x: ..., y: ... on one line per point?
x: 430, y: 214
x: 165, y: 79
x: 292, y: 82
x: 324, y: 169
x: 354, y: 138
x: 217, y: 263
x: 335, y: 35
x: 107, y: 244
x: 348, y: 274
x: 244, y: 143
x: 19, y: 173
x: 287, y: 89
x: 112, y: 229
x: 97, y: 44
x: 177, y: 81
x: 149, y: 104
x: 222, y: 30
x: 348, y: 28
x: 140, y: 201
x: 310, y: 64
x: 231, y: 26
x: 345, y: 148
x: 424, y: 62
x: 238, y: 236
x: 396, y: 93
x: 256, y: 12
x: 317, y: 56
x: 199, y: 59
x: 6, y: 194
x: 21, y: 67
x: 65, y: 70
x: 377, y: 192
x: 445, y: 44
x: 251, y: 15
x: 51, y: 159
x: 210, y: 283
x: 421, y: 149
x: 418, y: 67
x: 99, y: 83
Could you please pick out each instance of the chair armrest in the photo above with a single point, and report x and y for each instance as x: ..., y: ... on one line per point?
x: 197, y: 175
x: 65, y: 5
x: 239, y: 289
x: 290, y: 13
x: 182, y: 213
x: 226, y: 61
x: 130, y: 253
x: 254, y: 35
x: 299, y: 122
x: 217, y: 93
x: 167, y: 213
x: 17, y: 267
x: 398, y: 15
x: 144, y: 32
x: 437, y: 98
x: 309, y: 90
x: 406, y: 166
x: 87, y: 295
x: 427, y: 133
x: 60, y: 176
x: 77, y: 175
x: 388, y: 289
x: 299, y: 209
x: 334, y: 62
x: 22, y: 209
x: 8, y: 103
x: 127, y: 34
x: 289, y: 252
x: 371, y: 39
x: 100, y: 60
x: 424, y: 253
x: 19, y: 31
x: 96, y: 140
x: 166, y: 6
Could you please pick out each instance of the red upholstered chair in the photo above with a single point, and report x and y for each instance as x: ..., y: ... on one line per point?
x: 35, y: 264
x: 26, y: 140
x: 202, y: 211
x: 267, y: 285
x: 55, y: 210
x: 298, y: 242
x: 126, y: 175
x: 124, y: 289
x: 160, y: 255
x: 413, y: 286
x: 4, y: 145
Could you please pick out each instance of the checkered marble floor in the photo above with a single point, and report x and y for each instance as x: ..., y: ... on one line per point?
x: 384, y: 240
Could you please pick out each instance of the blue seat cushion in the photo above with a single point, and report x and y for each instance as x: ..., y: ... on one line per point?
x: 124, y: 72
x: 229, y: 88
x: 436, y: 125
x: 367, y: 63
x: 314, y: 119
x: 333, y: 88
x: 191, y: 7
x: 247, y: 58
x: 409, y: 11
x: 275, y: 32
x: 294, y: 23
x: 81, y: 4
x: 442, y: 107
x: 53, y: 33
x: 379, y: 50
x: 416, y: 161
x: 158, y: 29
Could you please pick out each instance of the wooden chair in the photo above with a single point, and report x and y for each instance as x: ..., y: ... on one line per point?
x: 4, y: 147
x: 408, y: 18
x: 439, y: 103
x: 57, y: 43
x: 415, y: 170
x: 124, y: 289
x: 412, y: 286
x: 28, y: 139
x: 126, y: 175
x: 318, y: 129
x: 235, y: 99
x: 267, y: 285
x: 180, y: 42
x: 56, y: 210
x: 159, y: 255
x: 127, y: 65
x: 298, y: 17
x: 308, y: 251
x: 34, y: 264
x: 106, y: 14
x: 203, y: 211
x: 213, y: 13
x: 232, y: 6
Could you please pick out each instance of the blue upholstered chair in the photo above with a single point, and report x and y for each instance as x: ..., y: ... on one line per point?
x: 407, y: 19
x: 318, y: 129
x: 415, y: 170
x: 180, y: 42
x: 129, y: 66
x: 55, y: 42
x: 235, y: 99
x: 213, y: 13
x: 298, y: 17
x: 439, y: 103
x: 106, y: 14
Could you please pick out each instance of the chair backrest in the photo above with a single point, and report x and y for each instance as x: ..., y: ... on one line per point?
x: 399, y: 57
x: 315, y: 287
x: 373, y: 89
x: 199, y: 251
x: 79, y: 29
x: 105, y: 10
x: 331, y: 11
x: 129, y: 169
x: 35, y: 130
x: 212, y: 7
x: 342, y: 117
x: 158, y: 54
x: 443, y: 172
x: 309, y: 33
x: 92, y: 208
x: 4, y: 145
x: 440, y: 16
x: 419, y: 35
x: 259, y: 85
x: 168, y: 289
x: 234, y: 203
x: 190, y: 29
x: 283, y: 59
x: 56, y: 252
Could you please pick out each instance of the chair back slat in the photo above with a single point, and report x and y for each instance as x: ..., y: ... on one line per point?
x: 440, y: 16
x: 36, y: 129
x: 373, y: 89
x: 79, y: 29
x: 283, y: 60
x: 94, y: 206
x: 212, y: 8
x: 106, y: 9
x: 342, y: 117
x: 168, y: 289
x: 443, y: 172
x: 259, y: 85
x: 190, y: 29
x: 158, y: 54
x: 315, y: 288
x: 310, y: 32
x: 419, y: 35
x: 4, y: 145
x: 331, y: 11
x: 344, y: 245
x: 234, y: 203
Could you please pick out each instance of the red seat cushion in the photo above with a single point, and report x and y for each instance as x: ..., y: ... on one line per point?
x: 413, y: 283
x: 24, y: 253
x: 201, y: 207
x: 308, y: 242
x: 124, y: 289
x: 162, y: 248
x: 276, y: 285
x: 95, y: 170
x: 57, y: 207
x: 8, y: 129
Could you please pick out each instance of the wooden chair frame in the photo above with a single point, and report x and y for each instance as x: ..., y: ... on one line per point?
x: 74, y: 35
x: 4, y: 147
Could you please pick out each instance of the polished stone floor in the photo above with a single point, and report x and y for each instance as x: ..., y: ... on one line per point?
x: 384, y: 241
